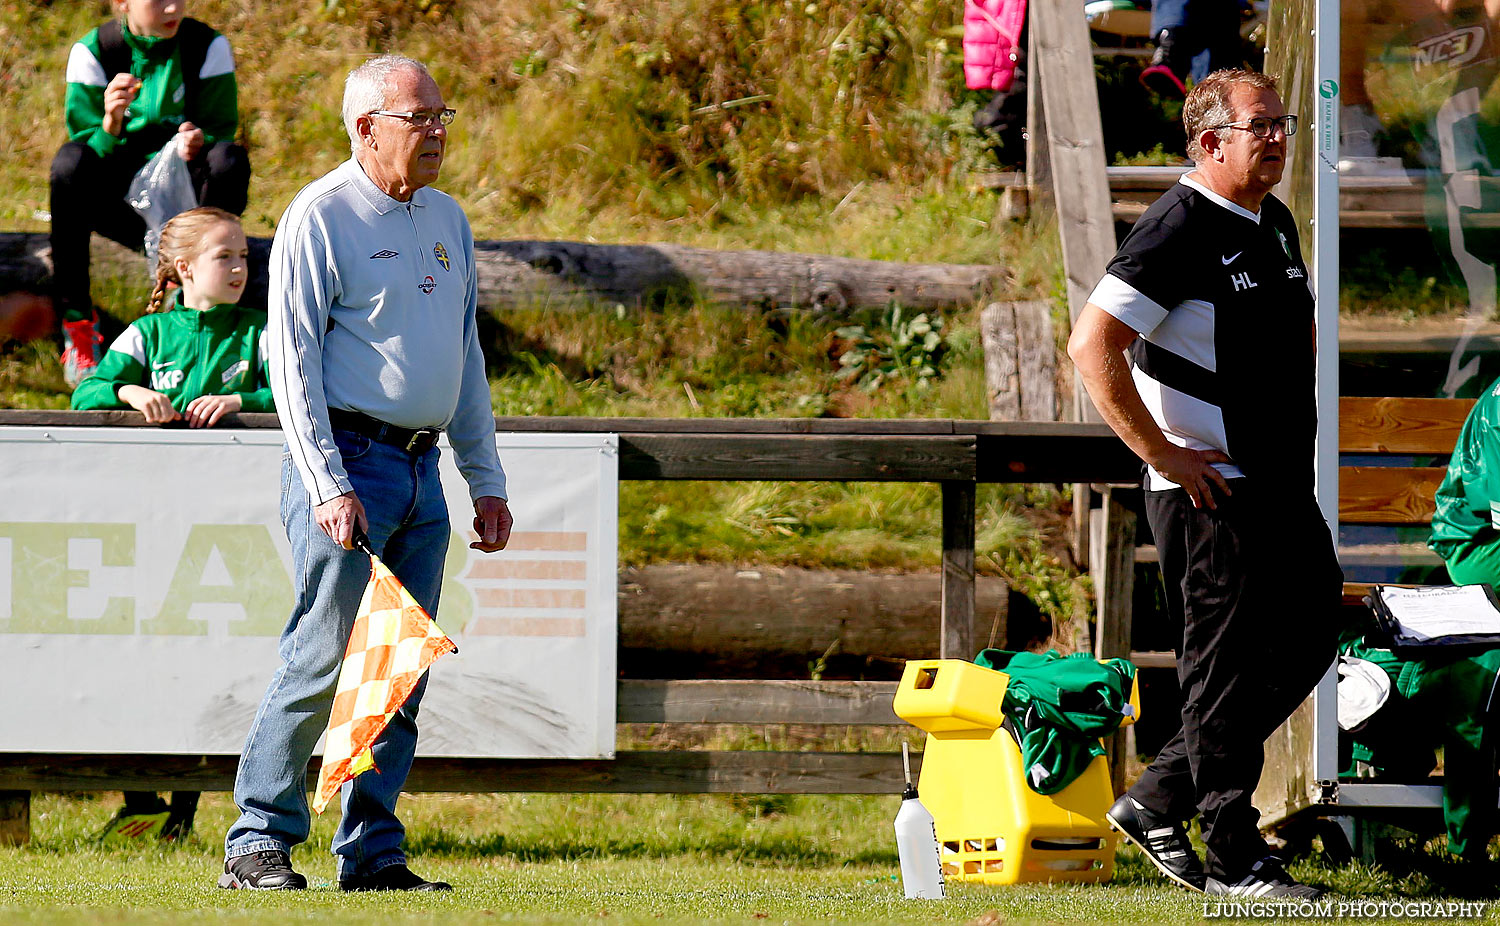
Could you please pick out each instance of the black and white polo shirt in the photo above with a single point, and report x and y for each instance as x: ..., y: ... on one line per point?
x: 1225, y: 359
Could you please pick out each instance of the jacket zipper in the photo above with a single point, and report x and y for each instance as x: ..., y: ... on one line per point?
x: 416, y: 234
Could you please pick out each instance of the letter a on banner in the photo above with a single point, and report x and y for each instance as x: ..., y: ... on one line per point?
x: 392, y: 644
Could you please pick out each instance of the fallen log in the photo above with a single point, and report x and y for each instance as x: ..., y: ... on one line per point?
x: 711, y: 621
x: 572, y: 274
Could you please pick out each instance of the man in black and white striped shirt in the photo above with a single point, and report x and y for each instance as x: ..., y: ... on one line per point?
x: 1208, y: 298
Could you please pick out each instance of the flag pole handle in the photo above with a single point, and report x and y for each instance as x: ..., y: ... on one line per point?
x: 361, y: 540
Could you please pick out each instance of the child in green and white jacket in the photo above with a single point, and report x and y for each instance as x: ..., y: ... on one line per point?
x: 148, y: 75
x: 200, y: 357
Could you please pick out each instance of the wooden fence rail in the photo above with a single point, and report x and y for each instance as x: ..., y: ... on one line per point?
x: 954, y: 453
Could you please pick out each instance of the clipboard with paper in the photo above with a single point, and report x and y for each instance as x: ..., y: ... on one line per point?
x: 1437, y: 616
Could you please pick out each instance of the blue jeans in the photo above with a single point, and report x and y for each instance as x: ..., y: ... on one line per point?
x: 409, y: 529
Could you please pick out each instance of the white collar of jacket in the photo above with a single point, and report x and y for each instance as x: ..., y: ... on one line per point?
x: 378, y: 199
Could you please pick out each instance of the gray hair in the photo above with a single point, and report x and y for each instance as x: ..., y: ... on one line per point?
x: 1208, y: 104
x: 366, y: 86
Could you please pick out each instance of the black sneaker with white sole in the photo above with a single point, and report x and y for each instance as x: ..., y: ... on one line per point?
x: 267, y: 870
x: 392, y: 878
x: 1266, y: 879
x: 1164, y: 841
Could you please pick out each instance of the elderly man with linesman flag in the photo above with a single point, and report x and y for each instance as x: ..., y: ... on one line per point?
x: 374, y: 353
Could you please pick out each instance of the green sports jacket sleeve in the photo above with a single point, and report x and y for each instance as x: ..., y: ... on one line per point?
x: 1468, y: 501
x: 102, y: 389
x: 259, y: 400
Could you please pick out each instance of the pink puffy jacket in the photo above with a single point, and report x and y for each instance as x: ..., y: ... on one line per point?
x: 992, y: 34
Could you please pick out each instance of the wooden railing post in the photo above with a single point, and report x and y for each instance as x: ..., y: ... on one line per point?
x: 1112, y: 564
x: 957, y: 633
x: 1038, y: 155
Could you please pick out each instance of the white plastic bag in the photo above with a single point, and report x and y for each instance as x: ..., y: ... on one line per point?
x: 160, y: 190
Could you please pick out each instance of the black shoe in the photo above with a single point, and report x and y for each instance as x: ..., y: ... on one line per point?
x: 392, y: 878
x: 1266, y: 878
x: 1166, y: 75
x: 267, y: 870
x: 1165, y: 842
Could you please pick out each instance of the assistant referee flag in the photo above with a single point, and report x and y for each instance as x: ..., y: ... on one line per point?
x: 392, y: 644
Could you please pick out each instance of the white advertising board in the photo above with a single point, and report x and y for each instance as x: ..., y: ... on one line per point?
x: 145, y: 577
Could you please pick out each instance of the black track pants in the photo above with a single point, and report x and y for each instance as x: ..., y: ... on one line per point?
x: 1253, y: 587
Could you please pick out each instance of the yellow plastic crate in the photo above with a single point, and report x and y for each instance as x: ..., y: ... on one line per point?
x: 991, y: 827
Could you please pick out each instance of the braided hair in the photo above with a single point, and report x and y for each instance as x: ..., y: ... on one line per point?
x: 180, y: 237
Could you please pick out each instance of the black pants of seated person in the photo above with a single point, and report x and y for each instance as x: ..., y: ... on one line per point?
x: 88, y: 195
x: 1253, y: 587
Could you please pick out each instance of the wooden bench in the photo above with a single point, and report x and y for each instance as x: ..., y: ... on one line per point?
x: 1417, y: 436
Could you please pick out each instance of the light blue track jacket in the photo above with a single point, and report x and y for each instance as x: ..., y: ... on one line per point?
x: 373, y: 305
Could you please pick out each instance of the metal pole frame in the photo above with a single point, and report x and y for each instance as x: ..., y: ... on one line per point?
x: 1325, y: 278
x: 1325, y: 273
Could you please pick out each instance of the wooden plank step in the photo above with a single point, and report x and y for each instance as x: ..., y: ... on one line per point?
x: 1426, y: 336
x: 1360, y: 554
x: 1388, y: 554
x: 1129, y: 207
x: 1388, y: 201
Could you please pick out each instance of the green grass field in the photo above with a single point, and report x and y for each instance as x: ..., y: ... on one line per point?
x: 603, y: 858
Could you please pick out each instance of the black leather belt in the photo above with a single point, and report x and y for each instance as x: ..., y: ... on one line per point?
x: 414, y: 441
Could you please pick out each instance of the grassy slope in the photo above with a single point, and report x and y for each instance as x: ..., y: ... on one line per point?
x: 578, y: 120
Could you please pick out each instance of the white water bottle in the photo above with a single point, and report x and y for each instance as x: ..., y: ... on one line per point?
x: 917, y: 844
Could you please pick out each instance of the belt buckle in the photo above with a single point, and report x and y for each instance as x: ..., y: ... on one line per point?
x: 422, y: 440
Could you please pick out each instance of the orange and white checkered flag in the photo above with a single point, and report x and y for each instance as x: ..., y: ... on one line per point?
x: 392, y: 644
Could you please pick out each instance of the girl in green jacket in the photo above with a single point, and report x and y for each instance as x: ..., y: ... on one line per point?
x: 199, y: 356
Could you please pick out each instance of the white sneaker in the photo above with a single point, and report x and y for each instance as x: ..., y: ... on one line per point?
x: 1266, y: 878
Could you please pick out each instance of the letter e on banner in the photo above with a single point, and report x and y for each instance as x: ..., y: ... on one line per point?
x: 41, y: 576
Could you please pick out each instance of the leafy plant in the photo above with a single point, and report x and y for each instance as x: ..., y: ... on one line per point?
x: 894, y: 348
x: 1158, y: 156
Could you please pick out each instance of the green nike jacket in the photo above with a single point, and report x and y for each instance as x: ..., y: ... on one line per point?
x: 162, y: 103
x: 184, y: 354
